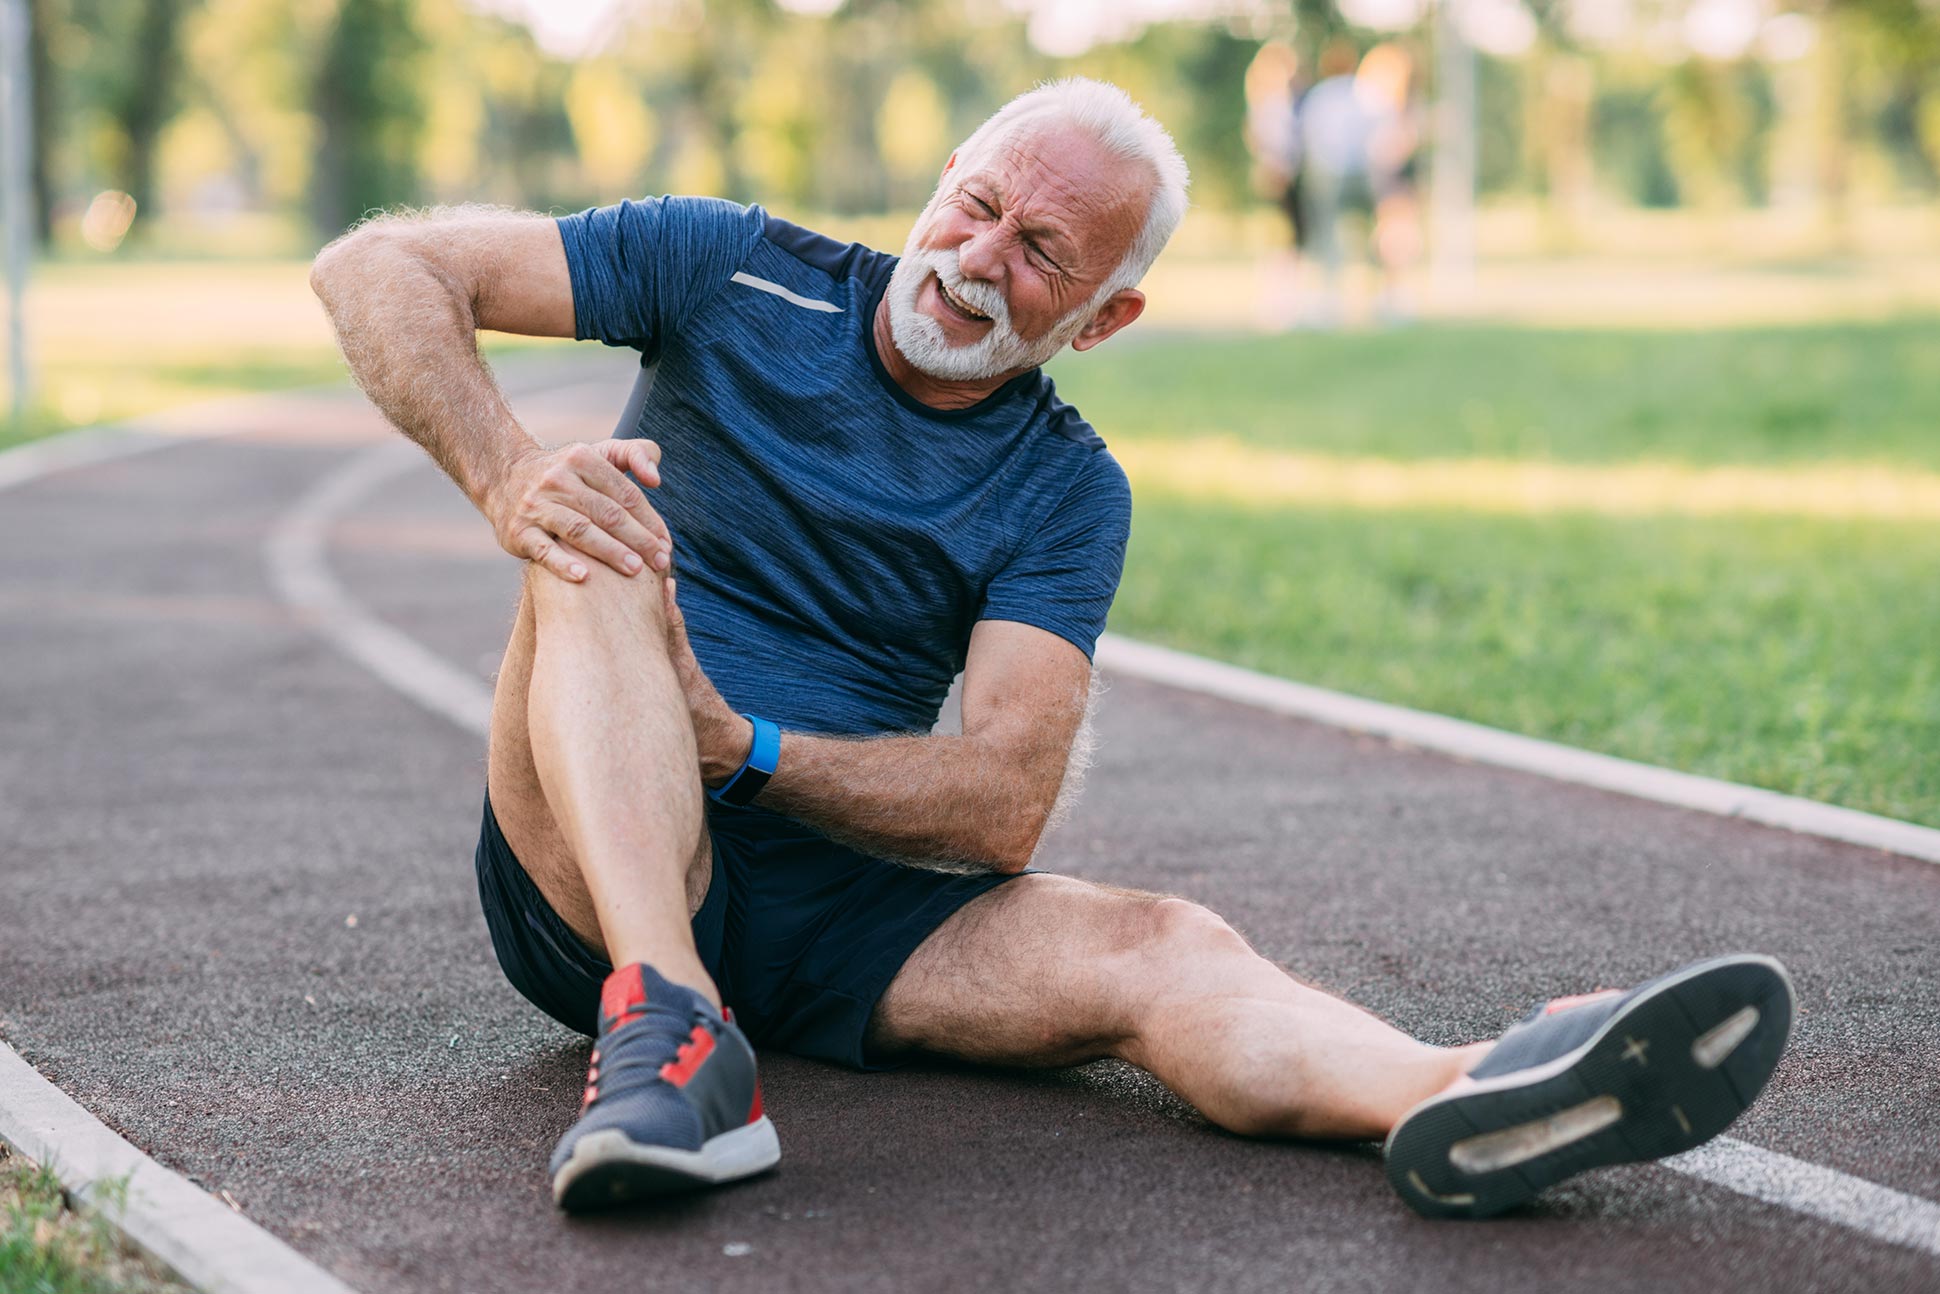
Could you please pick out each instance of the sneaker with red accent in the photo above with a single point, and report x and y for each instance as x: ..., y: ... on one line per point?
x: 672, y: 1102
x: 1603, y: 1078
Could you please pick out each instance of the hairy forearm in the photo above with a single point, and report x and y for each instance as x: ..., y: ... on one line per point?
x: 409, y: 336
x: 963, y: 803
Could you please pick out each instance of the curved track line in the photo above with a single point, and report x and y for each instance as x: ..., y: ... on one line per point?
x: 302, y: 578
x: 1512, y: 750
x: 296, y: 557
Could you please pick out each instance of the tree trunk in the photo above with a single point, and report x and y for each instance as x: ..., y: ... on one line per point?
x: 148, y: 101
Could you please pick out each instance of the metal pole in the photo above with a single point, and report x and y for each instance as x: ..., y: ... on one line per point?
x: 1451, y: 194
x: 16, y: 211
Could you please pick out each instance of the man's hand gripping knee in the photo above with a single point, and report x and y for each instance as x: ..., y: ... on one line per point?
x: 568, y: 506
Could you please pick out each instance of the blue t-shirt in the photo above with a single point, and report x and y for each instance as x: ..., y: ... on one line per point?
x: 835, y: 539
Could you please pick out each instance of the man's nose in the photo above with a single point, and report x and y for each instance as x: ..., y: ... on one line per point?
x: 981, y: 257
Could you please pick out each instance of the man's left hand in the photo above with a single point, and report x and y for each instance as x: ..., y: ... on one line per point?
x: 724, y: 737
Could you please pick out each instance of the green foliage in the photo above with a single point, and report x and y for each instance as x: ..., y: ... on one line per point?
x: 367, y: 106
x: 332, y: 107
x: 46, y: 1249
x: 1628, y: 133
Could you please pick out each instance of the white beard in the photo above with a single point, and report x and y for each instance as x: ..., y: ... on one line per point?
x: 928, y: 348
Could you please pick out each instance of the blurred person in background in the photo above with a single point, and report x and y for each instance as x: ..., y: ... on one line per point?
x: 1359, y: 129
x: 1273, y: 90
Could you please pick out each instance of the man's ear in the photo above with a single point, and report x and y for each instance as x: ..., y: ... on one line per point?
x: 1119, y: 310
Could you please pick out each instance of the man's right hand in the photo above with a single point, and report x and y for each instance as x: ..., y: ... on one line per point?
x: 572, y: 505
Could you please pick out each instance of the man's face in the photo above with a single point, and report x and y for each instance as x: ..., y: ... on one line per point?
x: 1002, y: 268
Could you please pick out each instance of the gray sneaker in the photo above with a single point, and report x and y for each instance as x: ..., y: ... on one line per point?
x: 672, y: 1102
x: 1606, y: 1078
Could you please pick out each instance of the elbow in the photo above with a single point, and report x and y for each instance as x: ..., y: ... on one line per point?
x: 1016, y: 844
x: 1011, y: 862
x: 342, y: 260
x: 1018, y: 828
x: 328, y: 269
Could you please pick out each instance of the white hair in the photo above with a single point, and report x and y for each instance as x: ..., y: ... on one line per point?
x: 1109, y: 116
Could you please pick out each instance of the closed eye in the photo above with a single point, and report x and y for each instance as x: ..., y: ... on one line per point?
x: 1042, y: 256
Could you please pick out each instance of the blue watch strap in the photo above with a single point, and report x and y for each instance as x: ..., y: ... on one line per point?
x: 764, y: 753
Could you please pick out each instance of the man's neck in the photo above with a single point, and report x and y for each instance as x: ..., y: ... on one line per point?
x: 937, y: 393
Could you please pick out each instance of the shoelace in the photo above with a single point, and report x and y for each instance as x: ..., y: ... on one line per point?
x: 648, y: 1041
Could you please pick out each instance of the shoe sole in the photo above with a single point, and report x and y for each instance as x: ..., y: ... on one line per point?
x: 1669, y: 1071
x: 609, y: 1168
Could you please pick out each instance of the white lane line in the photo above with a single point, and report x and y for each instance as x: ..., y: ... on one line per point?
x: 1816, y: 1191
x: 210, y: 1245
x: 302, y: 578
x: 1511, y: 750
x: 1765, y: 1175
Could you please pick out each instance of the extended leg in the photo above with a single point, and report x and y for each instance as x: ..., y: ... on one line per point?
x: 1048, y: 970
x: 593, y: 772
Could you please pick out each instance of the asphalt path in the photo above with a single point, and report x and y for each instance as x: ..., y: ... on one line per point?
x: 238, y: 922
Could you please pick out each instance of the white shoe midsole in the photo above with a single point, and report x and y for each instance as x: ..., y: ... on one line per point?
x: 746, y: 1150
x: 1507, y: 1147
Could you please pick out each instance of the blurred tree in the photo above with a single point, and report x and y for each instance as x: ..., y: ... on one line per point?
x: 1706, y: 125
x: 127, y: 65
x: 149, y: 94
x: 368, y: 109
x: 612, y: 126
x: 1627, y: 127
x: 331, y: 107
x: 253, y: 63
x: 914, y: 126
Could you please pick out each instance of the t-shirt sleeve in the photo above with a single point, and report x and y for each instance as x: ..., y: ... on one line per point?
x: 641, y: 269
x: 1064, y: 579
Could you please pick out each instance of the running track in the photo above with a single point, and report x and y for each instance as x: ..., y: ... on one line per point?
x: 237, y: 921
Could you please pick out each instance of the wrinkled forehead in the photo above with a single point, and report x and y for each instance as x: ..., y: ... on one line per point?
x: 1059, y: 173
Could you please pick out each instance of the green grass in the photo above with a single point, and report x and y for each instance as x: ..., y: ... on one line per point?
x: 46, y: 1249
x: 1863, y: 392
x: 114, y: 339
x: 1787, y: 652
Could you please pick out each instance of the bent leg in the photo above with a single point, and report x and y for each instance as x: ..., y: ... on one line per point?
x: 593, y: 772
x: 1048, y: 970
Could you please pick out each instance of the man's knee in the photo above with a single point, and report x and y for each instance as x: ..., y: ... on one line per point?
x: 1175, y: 956
x: 604, y: 594
x: 1180, y: 933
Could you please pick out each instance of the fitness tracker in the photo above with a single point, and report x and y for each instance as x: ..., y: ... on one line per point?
x: 763, y: 754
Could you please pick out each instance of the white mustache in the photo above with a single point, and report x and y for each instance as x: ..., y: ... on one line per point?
x: 980, y: 297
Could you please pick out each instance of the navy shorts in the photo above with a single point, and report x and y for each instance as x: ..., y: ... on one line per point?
x: 801, y: 935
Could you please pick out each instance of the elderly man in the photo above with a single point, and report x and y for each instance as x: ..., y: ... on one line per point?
x: 722, y: 791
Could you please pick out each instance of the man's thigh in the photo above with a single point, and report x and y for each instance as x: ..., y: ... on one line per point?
x: 519, y: 802
x: 1044, y: 970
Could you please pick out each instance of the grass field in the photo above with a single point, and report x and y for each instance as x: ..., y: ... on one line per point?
x: 1718, y: 552
x: 46, y: 1249
x: 112, y: 340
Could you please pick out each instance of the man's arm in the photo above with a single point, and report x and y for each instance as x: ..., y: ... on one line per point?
x: 979, y: 801
x: 407, y: 295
